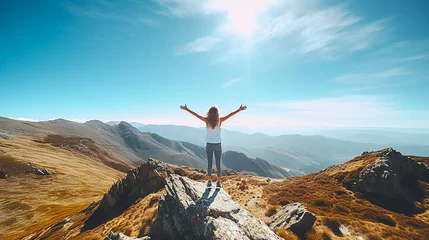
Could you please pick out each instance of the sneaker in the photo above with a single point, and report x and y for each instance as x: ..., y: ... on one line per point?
x: 218, y: 184
x: 209, y: 183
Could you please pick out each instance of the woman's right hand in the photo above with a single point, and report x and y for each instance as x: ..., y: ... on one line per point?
x: 183, y: 107
x: 242, y: 108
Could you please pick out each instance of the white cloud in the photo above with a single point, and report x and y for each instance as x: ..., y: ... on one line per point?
x: 149, y: 22
x: 231, y: 82
x: 411, y: 50
x: 95, y: 14
x: 203, y: 44
x: 183, y: 8
x: 371, y: 78
x: 108, y: 11
x: 329, y: 32
x: 302, y: 27
x: 418, y: 57
x: 26, y: 119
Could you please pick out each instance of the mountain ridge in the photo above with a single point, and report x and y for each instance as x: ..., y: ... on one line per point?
x: 135, y: 146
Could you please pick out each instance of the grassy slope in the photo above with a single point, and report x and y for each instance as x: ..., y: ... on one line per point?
x: 325, y: 196
x: 29, y: 202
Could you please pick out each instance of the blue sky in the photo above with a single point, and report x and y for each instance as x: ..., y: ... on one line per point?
x: 297, y: 65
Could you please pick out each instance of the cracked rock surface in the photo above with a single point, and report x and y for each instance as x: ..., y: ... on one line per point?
x: 190, y: 210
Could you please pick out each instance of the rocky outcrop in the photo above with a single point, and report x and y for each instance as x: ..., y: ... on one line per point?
x: 294, y: 217
x: 189, y: 210
x: 388, y: 172
x: 39, y: 170
x: 148, y: 178
x: 139, y: 182
x: 392, y: 181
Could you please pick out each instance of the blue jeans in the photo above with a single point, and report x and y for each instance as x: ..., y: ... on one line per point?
x: 215, y: 148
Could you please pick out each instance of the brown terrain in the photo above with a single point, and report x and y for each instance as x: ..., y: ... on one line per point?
x: 58, y: 205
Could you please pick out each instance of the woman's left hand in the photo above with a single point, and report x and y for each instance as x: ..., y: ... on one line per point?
x: 183, y: 107
x: 242, y: 108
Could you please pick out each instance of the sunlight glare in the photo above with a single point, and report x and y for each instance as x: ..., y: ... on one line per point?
x: 242, y: 14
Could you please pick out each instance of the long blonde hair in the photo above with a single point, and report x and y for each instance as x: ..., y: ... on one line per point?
x: 212, y: 117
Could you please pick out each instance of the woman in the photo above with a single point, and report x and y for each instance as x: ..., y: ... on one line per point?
x: 213, y: 138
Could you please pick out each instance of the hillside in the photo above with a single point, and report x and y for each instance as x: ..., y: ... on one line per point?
x: 342, y: 210
x: 256, y: 166
x: 29, y: 202
x: 379, y: 195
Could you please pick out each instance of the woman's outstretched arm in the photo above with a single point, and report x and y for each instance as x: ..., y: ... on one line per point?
x: 241, y: 108
x: 184, y: 107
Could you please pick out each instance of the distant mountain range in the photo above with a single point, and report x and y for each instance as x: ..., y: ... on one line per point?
x: 297, y: 152
x: 126, y: 145
x: 380, y: 136
x: 184, y: 145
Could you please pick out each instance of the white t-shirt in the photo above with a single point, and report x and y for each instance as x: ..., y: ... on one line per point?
x: 213, y: 135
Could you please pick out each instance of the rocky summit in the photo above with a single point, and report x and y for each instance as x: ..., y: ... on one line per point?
x: 391, y: 179
x: 190, y: 210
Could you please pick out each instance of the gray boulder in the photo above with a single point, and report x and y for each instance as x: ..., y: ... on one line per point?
x: 189, y: 210
x: 294, y: 217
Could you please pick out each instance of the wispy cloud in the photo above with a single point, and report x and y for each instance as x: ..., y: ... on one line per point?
x: 149, y: 22
x: 411, y: 50
x: 106, y: 11
x: 326, y: 31
x: 183, y: 8
x: 203, y: 44
x: 231, y: 82
x: 371, y: 78
x: 329, y: 32
x: 418, y: 57
x: 95, y: 14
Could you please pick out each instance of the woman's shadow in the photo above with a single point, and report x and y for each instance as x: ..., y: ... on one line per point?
x: 202, y: 205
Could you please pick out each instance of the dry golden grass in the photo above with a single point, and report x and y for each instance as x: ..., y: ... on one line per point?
x: 373, y: 236
x: 271, y: 210
x: 319, y: 235
x: 29, y: 202
x: 286, y: 234
x: 425, y: 160
x: 135, y: 221
x: 324, y: 195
